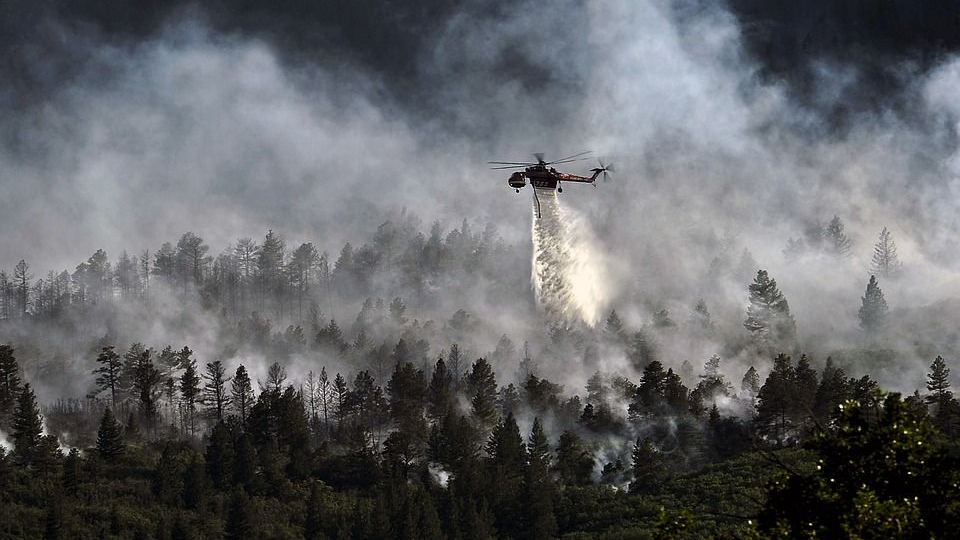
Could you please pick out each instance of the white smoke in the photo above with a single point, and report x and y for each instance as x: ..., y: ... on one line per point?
x: 568, y: 275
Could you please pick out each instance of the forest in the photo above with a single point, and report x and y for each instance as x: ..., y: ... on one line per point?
x: 415, y: 415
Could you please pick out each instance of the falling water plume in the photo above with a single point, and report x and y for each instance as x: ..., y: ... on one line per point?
x: 567, y: 274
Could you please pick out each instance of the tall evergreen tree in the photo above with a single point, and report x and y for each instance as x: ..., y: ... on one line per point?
x: 10, y: 386
x: 574, y: 465
x: 27, y: 426
x: 885, y: 263
x: 482, y: 386
x: 873, y: 308
x: 835, y: 240
x: 189, y: 389
x: 540, y: 520
x: 647, y: 466
x: 613, y: 327
x: 643, y: 350
x: 219, y: 456
x: 215, y: 388
x: 109, y: 373
x: 938, y: 383
x: 774, y: 401
x: 750, y: 385
x: 768, y: 315
x: 241, y: 393
x: 21, y: 280
x: 71, y: 472
x: 146, y: 386
x: 441, y: 394
x: 109, y: 437
x: 831, y: 392
x: 804, y: 390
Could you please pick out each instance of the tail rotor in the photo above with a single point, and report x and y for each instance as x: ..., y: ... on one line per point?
x: 605, y: 169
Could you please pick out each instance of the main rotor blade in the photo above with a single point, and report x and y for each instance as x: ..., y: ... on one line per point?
x: 511, y: 163
x: 508, y: 167
x: 566, y: 161
x: 573, y: 156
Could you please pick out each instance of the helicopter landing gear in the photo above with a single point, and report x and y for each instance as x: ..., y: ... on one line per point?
x: 559, y: 189
x: 518, y: 190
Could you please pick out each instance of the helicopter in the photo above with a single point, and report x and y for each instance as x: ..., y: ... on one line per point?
x: 542, y: 176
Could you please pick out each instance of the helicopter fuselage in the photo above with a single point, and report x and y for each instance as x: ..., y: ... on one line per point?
x: 542, y: 177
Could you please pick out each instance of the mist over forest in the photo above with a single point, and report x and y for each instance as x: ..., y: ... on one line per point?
x: 263, y: 247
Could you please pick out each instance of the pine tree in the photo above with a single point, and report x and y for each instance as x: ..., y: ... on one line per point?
x: 831, y: 392
x: 109, y: 373
x: 647, y: 466
x: 773, y: 401
x: 507, y: 459
x: 146, y: 383
x: 215, y: 388
x: 643, y: 350
x: 750, y: 385
x: 189, y: 387
x: 241, y: 393
x: 71, y: 472
x: 541, y: 522
x: 441, y: 394
x: 650, y: 392
x: 873, y: 310
x: 482, y: 384
x: 835, y: 239
x: 885, y: 262
x: 10, y: 386
x: 768, y: 315
x: 21, y: 279
x: 220, y: 455
x: 613, y: 327
x: 27, y: 426
x: 804, y: 390
x: 109, y: 437
x: 675, y: 393
x: 574, y: 463
x: 938, y: 383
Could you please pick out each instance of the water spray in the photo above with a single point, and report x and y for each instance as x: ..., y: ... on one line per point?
x: 568, y: 279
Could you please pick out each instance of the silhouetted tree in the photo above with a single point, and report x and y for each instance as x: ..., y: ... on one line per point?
x: 241, y: 393
x: 27, y: 426
x: 773, y: 401
x: 215, y: 388
x: 574, y: 465
x: 10, y: 386
x: 109, y: 437
x: 873, y: 310
x: 768, y: 315
x: 482, y: 391
x: 647, y: 466
x: 189, y: 388
x: 938, y: 383
x: 109, y: 373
